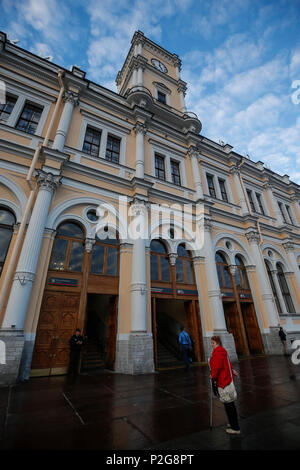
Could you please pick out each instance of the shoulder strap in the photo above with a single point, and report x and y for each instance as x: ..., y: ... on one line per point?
x: 229, y: 367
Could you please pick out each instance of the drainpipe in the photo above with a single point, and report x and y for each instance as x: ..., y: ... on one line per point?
x: 16, y: 248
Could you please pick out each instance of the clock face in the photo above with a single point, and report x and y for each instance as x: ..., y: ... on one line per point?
x: 159, y: 66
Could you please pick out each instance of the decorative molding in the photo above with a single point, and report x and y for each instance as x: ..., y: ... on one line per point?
x: 173, y: 257
x: 71, y: 97
x: 253, y: 237
x: 140, y: 128
x: 48, y: 181
x: 289, y: 246
x: 23, y: 277
x: 89, y: 243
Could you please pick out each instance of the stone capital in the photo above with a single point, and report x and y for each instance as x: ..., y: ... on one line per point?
x: 48, y: 181
x: 140, y: 128
x: 138, y: 207
x: 193, y: 152
x: 173, y: 257
x: 234, y: 170
x: 253, y: 237
x: 232, y: 269
x: 288, y: 246
x: 89, y: 243
x: 71, y: 97
x: 181, y: 87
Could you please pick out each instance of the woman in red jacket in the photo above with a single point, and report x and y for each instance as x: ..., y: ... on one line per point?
x: 220, y: 372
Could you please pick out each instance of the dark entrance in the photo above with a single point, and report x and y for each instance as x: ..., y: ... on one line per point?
x: 101, y: 331
x: 168, y: 315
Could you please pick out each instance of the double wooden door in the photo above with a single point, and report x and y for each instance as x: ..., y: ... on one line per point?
x: 57, y: 323
x: 253, y: 336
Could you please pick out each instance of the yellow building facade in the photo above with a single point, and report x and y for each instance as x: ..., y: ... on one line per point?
x: 118, y: 217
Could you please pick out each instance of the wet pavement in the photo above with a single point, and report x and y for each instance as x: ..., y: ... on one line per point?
x: 166, y: 410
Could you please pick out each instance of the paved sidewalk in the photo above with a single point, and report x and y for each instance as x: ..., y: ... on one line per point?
x: 167, y: 410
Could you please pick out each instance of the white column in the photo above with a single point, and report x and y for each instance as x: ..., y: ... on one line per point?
x: 139, y: 280
x: 71, y: 100
x: 290, y: 250
x: 26, y: 269
x: 267, y: 295
x: 140, y: 130
x: 194, y: 155
x: 278, y: 291
x: 214, y: 292
x: 134, y: 77
x: 140, y: 76
x: 241, y: 196
x: 274, y: 205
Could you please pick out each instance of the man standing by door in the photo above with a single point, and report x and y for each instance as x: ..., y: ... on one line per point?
x: 186, y: 346
x: 282, y: 337
x: 76, y: 342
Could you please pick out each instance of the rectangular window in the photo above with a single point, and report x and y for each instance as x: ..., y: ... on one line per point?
x: 91, y: 142
x: 113, y: 149
x: 251, y: 202
x: 261, y: 209
x: 175, y: 172
x: 282, y: 212
x: 29, y: 118
x: 223, y: 190
x: 7, y: 107
x: 161, y: 97
x: 160, y: 167
x: 289, y: 214
x: 211, y: 186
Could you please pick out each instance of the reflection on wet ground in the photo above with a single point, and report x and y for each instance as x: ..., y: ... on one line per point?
x: 166, y: 410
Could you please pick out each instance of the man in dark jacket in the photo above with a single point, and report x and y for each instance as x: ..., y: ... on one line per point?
x: 76, y: 342
x: 282, y: 336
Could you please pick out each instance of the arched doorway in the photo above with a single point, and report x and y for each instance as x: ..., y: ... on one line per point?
x: 81, y: 292
x: 238, y: 306
x: 174, y: 304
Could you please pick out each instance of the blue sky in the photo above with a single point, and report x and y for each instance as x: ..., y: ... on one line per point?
x: 239, y: 59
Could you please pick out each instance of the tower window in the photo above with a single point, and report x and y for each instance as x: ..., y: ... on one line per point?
x: 161, y: 97
x: 160, y: 167
x: 223, y: 190
x: 211, y: 186
x: 175, y: 172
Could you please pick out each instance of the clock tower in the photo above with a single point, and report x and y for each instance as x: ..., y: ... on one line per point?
x: 154, y: 70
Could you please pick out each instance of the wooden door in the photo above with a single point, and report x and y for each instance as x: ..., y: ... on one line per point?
x: 57, y: 323
x: 154, y: 332
x: 112, y: 327
x: 233, y: 325
x: 193, y: 327
x: 252, y: 328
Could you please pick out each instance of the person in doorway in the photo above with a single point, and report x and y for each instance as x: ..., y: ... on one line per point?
x: 186, y: 346
x: 76, y: 343
x: 222, y: 372
x: 282, y: 337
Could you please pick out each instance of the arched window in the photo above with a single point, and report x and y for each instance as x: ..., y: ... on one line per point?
x: 68, y: 248
x: 274, y: 291
x: 105, y: 257
x: 240, y: 276
x: 184, y: 266
x: 223, y: 273
x: 285, y: 289
x: 160, y: 269
x: 7, y: 221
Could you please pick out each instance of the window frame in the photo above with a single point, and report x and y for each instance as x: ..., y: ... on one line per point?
x: 116, y: 139
x: 29, y: 104
x: 94, y: 130
x: 211, y: 188
x: 177, y: 163
x: 70, y: 241
x: 221, y: 182
x: 158, y: 255
x: 160, y: 157
x: 106, y: 246
x: 3, y: 111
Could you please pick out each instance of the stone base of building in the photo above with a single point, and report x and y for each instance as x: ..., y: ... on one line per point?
x: 12, y: 343
x: 134, y: 354
x: 272, y: 343
x: 227, y: 342
x: 25, y: 365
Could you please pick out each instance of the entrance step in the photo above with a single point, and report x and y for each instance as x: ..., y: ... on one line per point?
x: 165, y: 358
x: 91, y: 359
